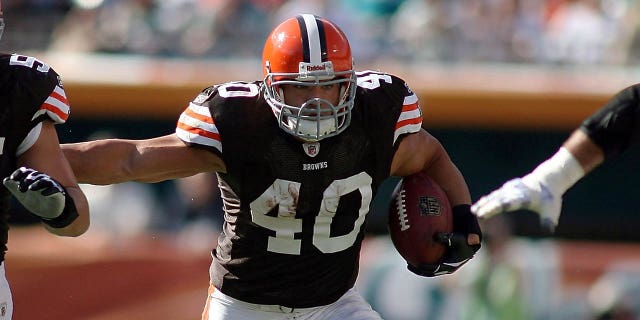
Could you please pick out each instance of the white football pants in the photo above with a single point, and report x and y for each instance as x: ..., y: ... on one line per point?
x: 6, y: 301
x: 351, y: 306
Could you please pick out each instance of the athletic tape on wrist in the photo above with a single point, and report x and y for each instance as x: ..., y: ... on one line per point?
x: 559, y: 172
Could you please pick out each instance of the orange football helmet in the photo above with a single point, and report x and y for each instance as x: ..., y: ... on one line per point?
x: 308, y: 50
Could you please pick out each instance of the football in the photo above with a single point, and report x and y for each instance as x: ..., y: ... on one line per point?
x: 419, y: 209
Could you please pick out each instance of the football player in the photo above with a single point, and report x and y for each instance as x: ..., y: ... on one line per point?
x: 300, y: 156
x: 32, y: 165
x: 602, y: 136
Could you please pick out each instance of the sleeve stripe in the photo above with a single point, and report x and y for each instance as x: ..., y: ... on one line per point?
x: 191, y: 112
x: 197, y: 126
x: 190, y: 137
x: 58, y: 93
x: 407, y: 122
x: 410, y: 112
x: 199, y: 131
x: 410, y: 107
x: 410, y: 119
x: 411, y: 128
x: 56, y: 106
x: 54, y: 112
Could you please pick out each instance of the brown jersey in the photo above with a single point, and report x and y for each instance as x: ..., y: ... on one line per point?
x: 295, y: 212
x: 30, y: 92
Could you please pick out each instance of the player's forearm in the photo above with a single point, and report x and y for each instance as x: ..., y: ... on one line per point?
x: 453, y: 183
x: 449, y: 177
x: 584, y: 150
x: 99, y: 162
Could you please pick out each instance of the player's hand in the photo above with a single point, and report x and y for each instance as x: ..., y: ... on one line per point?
x: 37, y: 192
x: 522, y: 193
x: 458, y: 253
x: 461, y: 244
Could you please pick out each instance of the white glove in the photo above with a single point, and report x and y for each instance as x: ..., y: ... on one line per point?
x: 38, y: 192
x: 540, y: 191
x: 522, y: 193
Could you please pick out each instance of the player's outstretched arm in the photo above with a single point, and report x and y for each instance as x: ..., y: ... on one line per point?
x: 605, y: 134
x: 112, y: 161
x: 541, y: 190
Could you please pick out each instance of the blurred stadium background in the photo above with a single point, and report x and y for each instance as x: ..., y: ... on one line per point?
x: 502, y: 83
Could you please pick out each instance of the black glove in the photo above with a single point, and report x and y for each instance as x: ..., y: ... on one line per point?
x: 43, y: 196
x: 458, y: 251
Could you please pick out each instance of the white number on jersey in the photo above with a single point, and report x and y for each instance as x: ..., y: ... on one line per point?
x: 371, y: 79
x: 238, y: 89
x: 29, y: 62
x: 284, y: 195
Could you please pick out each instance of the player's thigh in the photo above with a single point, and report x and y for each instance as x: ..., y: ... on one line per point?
x: 222, y: 307
x: 351, y: 306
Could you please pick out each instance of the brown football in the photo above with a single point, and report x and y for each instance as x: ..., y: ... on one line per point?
x: 419, y: 209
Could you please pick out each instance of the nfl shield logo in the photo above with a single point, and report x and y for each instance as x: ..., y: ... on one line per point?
x: 429, y: 206
x: 311, y: 149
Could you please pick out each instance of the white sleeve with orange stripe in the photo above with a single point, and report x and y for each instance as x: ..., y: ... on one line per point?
x: 56, y: 107
x: 410, y: 119
x: 196, y: 126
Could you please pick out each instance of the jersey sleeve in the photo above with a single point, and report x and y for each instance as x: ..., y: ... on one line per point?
x: 410, y: 119
x: 39, y: 90
x: 616, y: 126
x: 196, y: 125
x: 55, y: 106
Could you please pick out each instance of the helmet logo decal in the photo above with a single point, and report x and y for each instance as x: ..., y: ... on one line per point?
x: 310, y: 71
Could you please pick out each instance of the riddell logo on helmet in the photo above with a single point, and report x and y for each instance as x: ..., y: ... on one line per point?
x: 316, y: 68
x: 322, y: 71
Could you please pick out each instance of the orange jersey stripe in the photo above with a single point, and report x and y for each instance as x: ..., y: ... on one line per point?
x: 408, y: 122
x: 198, y: 116
x: 60, y: 97
x: 409, y: 107
x: 47, y: 106
x: 199, y: 132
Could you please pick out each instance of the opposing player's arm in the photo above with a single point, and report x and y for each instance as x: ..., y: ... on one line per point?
x: 111, y: 161
x: 45, y: 156
x: 586, y: 152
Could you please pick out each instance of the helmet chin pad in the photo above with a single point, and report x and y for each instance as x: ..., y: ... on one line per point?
x: 310, y: 128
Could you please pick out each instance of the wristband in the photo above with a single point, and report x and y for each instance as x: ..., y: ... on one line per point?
x: 68, y: 215
x: 465, y: 221
x: 559, y: 172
